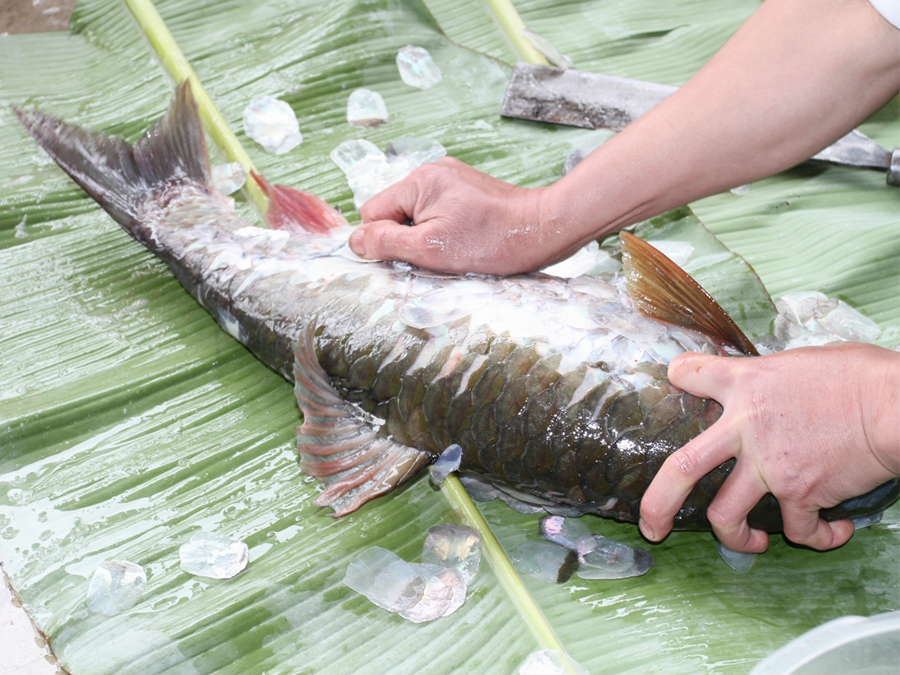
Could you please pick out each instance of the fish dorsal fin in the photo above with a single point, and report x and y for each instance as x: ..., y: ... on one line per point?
x: 339, y: 443
x: 665, y: 292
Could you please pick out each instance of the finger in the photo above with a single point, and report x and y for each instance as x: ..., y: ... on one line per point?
x: 728, y: 512
x: 704, y: 375
x: 386, y: 240
x: 396, y: 203
x: 680, y: 472
x: 803, y: 526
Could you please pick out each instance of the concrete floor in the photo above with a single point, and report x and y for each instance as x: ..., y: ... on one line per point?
x: 22, y: 651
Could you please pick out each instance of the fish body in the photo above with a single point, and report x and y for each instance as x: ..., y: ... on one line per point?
x: 554, y: 388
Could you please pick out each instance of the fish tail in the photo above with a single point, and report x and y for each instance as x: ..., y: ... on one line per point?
x: 119, y: 175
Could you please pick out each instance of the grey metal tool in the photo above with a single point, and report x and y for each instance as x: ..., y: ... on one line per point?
x: 594, y: 101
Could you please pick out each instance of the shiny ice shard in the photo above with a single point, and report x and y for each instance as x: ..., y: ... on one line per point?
x: 116, y: 585
x: 212, y: 555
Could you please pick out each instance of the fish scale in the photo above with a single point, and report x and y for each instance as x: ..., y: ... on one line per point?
x: 555, y: 389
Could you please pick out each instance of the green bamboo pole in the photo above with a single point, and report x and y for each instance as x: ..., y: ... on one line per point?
x: 178, y: 67
x: 453, y: 489
x: 512, y: 25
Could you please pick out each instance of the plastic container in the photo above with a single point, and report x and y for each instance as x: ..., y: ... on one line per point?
x: 849, y: 645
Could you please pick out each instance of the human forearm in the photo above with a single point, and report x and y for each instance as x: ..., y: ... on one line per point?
x: 796, y: 76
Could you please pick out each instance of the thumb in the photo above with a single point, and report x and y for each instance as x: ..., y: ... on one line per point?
x: 704, y: 375
x: 385, y: 240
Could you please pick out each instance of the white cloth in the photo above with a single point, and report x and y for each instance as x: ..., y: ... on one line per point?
x: 889, y: 9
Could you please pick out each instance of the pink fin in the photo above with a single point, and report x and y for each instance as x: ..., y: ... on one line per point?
x: 339, y: 443
x: 296, y: 211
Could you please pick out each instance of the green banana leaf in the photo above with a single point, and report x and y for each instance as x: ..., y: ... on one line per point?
x: 129, y: 420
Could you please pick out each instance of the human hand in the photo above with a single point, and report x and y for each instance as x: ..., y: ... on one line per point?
x: 463, y: 221
x: 813, y: 426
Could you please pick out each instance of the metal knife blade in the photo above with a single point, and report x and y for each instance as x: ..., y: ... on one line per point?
x: 594, y: 101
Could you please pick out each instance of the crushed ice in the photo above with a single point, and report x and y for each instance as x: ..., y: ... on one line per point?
x: 544, y: 561
x: 455, y: 546
x: 116, y: 585
x: 423, y: 591
x: 229, y: 177
x: 417, y: 68
x: 446, y: 464
x: 812, y: 318
x: 739, y: 561
x: 551, y: 662
x: 213, y: 555
x: 273, y: 124
x: 369, y: 170
x: 366, y: 108
x: 570, y: 547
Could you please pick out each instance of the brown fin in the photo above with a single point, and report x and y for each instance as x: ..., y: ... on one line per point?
x: 339, y: 443
x: 665, y: 292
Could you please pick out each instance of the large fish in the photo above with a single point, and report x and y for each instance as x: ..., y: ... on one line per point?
x: 555, y: 389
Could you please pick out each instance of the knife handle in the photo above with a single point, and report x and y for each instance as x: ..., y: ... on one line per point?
x: 893, y: 174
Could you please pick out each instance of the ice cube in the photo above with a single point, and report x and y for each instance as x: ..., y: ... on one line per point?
x: 446, y: 464
x: 847, y: 323
x: 479, y: 489
x: 739, y: 561
x: 455, y: 546
x: 385, y: 579
x: 213, y: 555
x: 417, y: 68
x: 414, y: 150
x: 366, y: 108
x: 551, y: 662
x: 273, y: 124
x: 445, y: 592
x: 229, y: 177
x: 116, y: 585
x: 350, y: 153
x: 542, y: 560
x: 565, y: 532
x: 416, y: 591
x: 608, y: 559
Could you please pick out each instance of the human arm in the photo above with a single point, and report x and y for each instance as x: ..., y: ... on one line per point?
x: 813, y: 426
x: 795, y: 77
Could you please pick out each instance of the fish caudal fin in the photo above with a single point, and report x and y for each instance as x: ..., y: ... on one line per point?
x: 296, y: 211
x: 118, y: 175
x: 665, y: 292
x: 339, y: 443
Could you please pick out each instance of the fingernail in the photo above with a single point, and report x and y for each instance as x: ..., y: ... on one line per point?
x: 646, y: 530
x: 357, y: 240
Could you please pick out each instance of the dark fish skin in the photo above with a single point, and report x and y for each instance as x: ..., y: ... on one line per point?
x: 383, y: 396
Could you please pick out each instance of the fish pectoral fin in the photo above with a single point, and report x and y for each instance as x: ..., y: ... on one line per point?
x: 663, y: 291
x: 296, y: 211
x: 339, y: 443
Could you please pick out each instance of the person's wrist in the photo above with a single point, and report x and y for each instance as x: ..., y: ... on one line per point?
x: 882, y: 416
